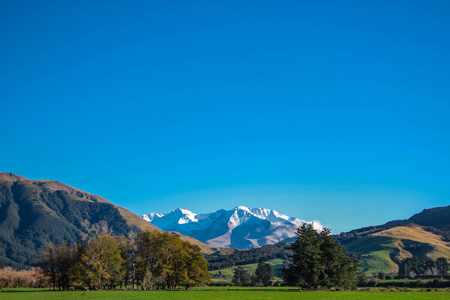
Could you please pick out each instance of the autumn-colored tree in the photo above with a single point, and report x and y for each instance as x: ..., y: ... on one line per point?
x: 154, y: 260
x: 126, y: 252
x: 197, y: 269
x: 101, y: 264
x: 145, y: 259
x: 164, y: 260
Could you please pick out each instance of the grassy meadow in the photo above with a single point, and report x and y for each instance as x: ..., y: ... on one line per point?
x: 226, y: 293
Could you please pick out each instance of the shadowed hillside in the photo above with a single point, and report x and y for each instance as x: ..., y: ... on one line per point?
x: 37, y: 213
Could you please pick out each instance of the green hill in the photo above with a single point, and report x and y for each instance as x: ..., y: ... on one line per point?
x: 38, y: 213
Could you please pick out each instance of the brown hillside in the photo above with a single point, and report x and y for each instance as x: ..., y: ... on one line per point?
x: 416, y: 233
x: 38, y: 213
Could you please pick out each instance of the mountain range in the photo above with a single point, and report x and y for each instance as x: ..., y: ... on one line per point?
x: 241, y: 227
x: 37, y: 213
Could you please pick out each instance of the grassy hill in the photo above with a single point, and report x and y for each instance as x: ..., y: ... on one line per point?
x: 381, y: 251
x: 379, y: 248
x: 38, y: 213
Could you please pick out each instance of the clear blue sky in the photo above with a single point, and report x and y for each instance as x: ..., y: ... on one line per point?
x: 337, y: 111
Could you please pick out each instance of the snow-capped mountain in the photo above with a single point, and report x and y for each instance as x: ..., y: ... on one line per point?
x: 241, y: 227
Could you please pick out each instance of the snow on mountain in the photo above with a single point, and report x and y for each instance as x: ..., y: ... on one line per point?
x: 241, y: 227
x: 150, y: 217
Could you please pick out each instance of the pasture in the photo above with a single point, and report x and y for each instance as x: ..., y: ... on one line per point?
x: 225, y: 293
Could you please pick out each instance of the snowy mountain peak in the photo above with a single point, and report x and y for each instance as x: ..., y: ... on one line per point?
x: 241, y: 227
x: 245, y: 208
x: 151, y: 216
x: 183, y: 211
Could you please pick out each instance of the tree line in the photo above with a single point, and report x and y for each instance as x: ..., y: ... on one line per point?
x: 416, y: 267
x: 264, y: 253
x: 156, y: 260
x: 153, y: 260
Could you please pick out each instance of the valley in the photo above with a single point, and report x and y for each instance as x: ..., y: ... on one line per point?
x: 37, y: 213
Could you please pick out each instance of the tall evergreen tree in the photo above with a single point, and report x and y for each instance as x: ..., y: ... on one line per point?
x: 305, y: 269
x: 318, y: 261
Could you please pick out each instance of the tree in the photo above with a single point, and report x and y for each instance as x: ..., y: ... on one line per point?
x: 305, y: 269
x: 197, y: 269
x: 241, y: 277
x: 414, y: 267
x: 155, y: 260
x: 339, y: 270
x: 317, y: 260
x: 100, y: 265
x: 264, y: 273
x: 442, y: 266
x: 57, y: 263
x: 164, y: 260
x: 126, y: 252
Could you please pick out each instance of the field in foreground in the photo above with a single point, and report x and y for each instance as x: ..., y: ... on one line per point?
x: 226, y: 293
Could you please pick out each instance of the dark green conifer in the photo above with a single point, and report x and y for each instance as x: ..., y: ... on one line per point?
x: 318, y: 261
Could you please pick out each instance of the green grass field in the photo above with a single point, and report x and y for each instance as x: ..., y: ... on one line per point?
x: 225, y: 293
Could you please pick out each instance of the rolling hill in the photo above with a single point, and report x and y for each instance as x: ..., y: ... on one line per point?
x: 37, y: 213
x: 379, y: 248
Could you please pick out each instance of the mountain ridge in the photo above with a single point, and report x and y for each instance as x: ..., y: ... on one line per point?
x: 241, y: 227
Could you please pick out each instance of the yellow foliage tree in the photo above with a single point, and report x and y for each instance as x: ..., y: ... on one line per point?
x: 101, y: 264
x: 164, y: 260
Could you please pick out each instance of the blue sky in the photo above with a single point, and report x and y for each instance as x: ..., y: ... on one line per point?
x: 335, y: 111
